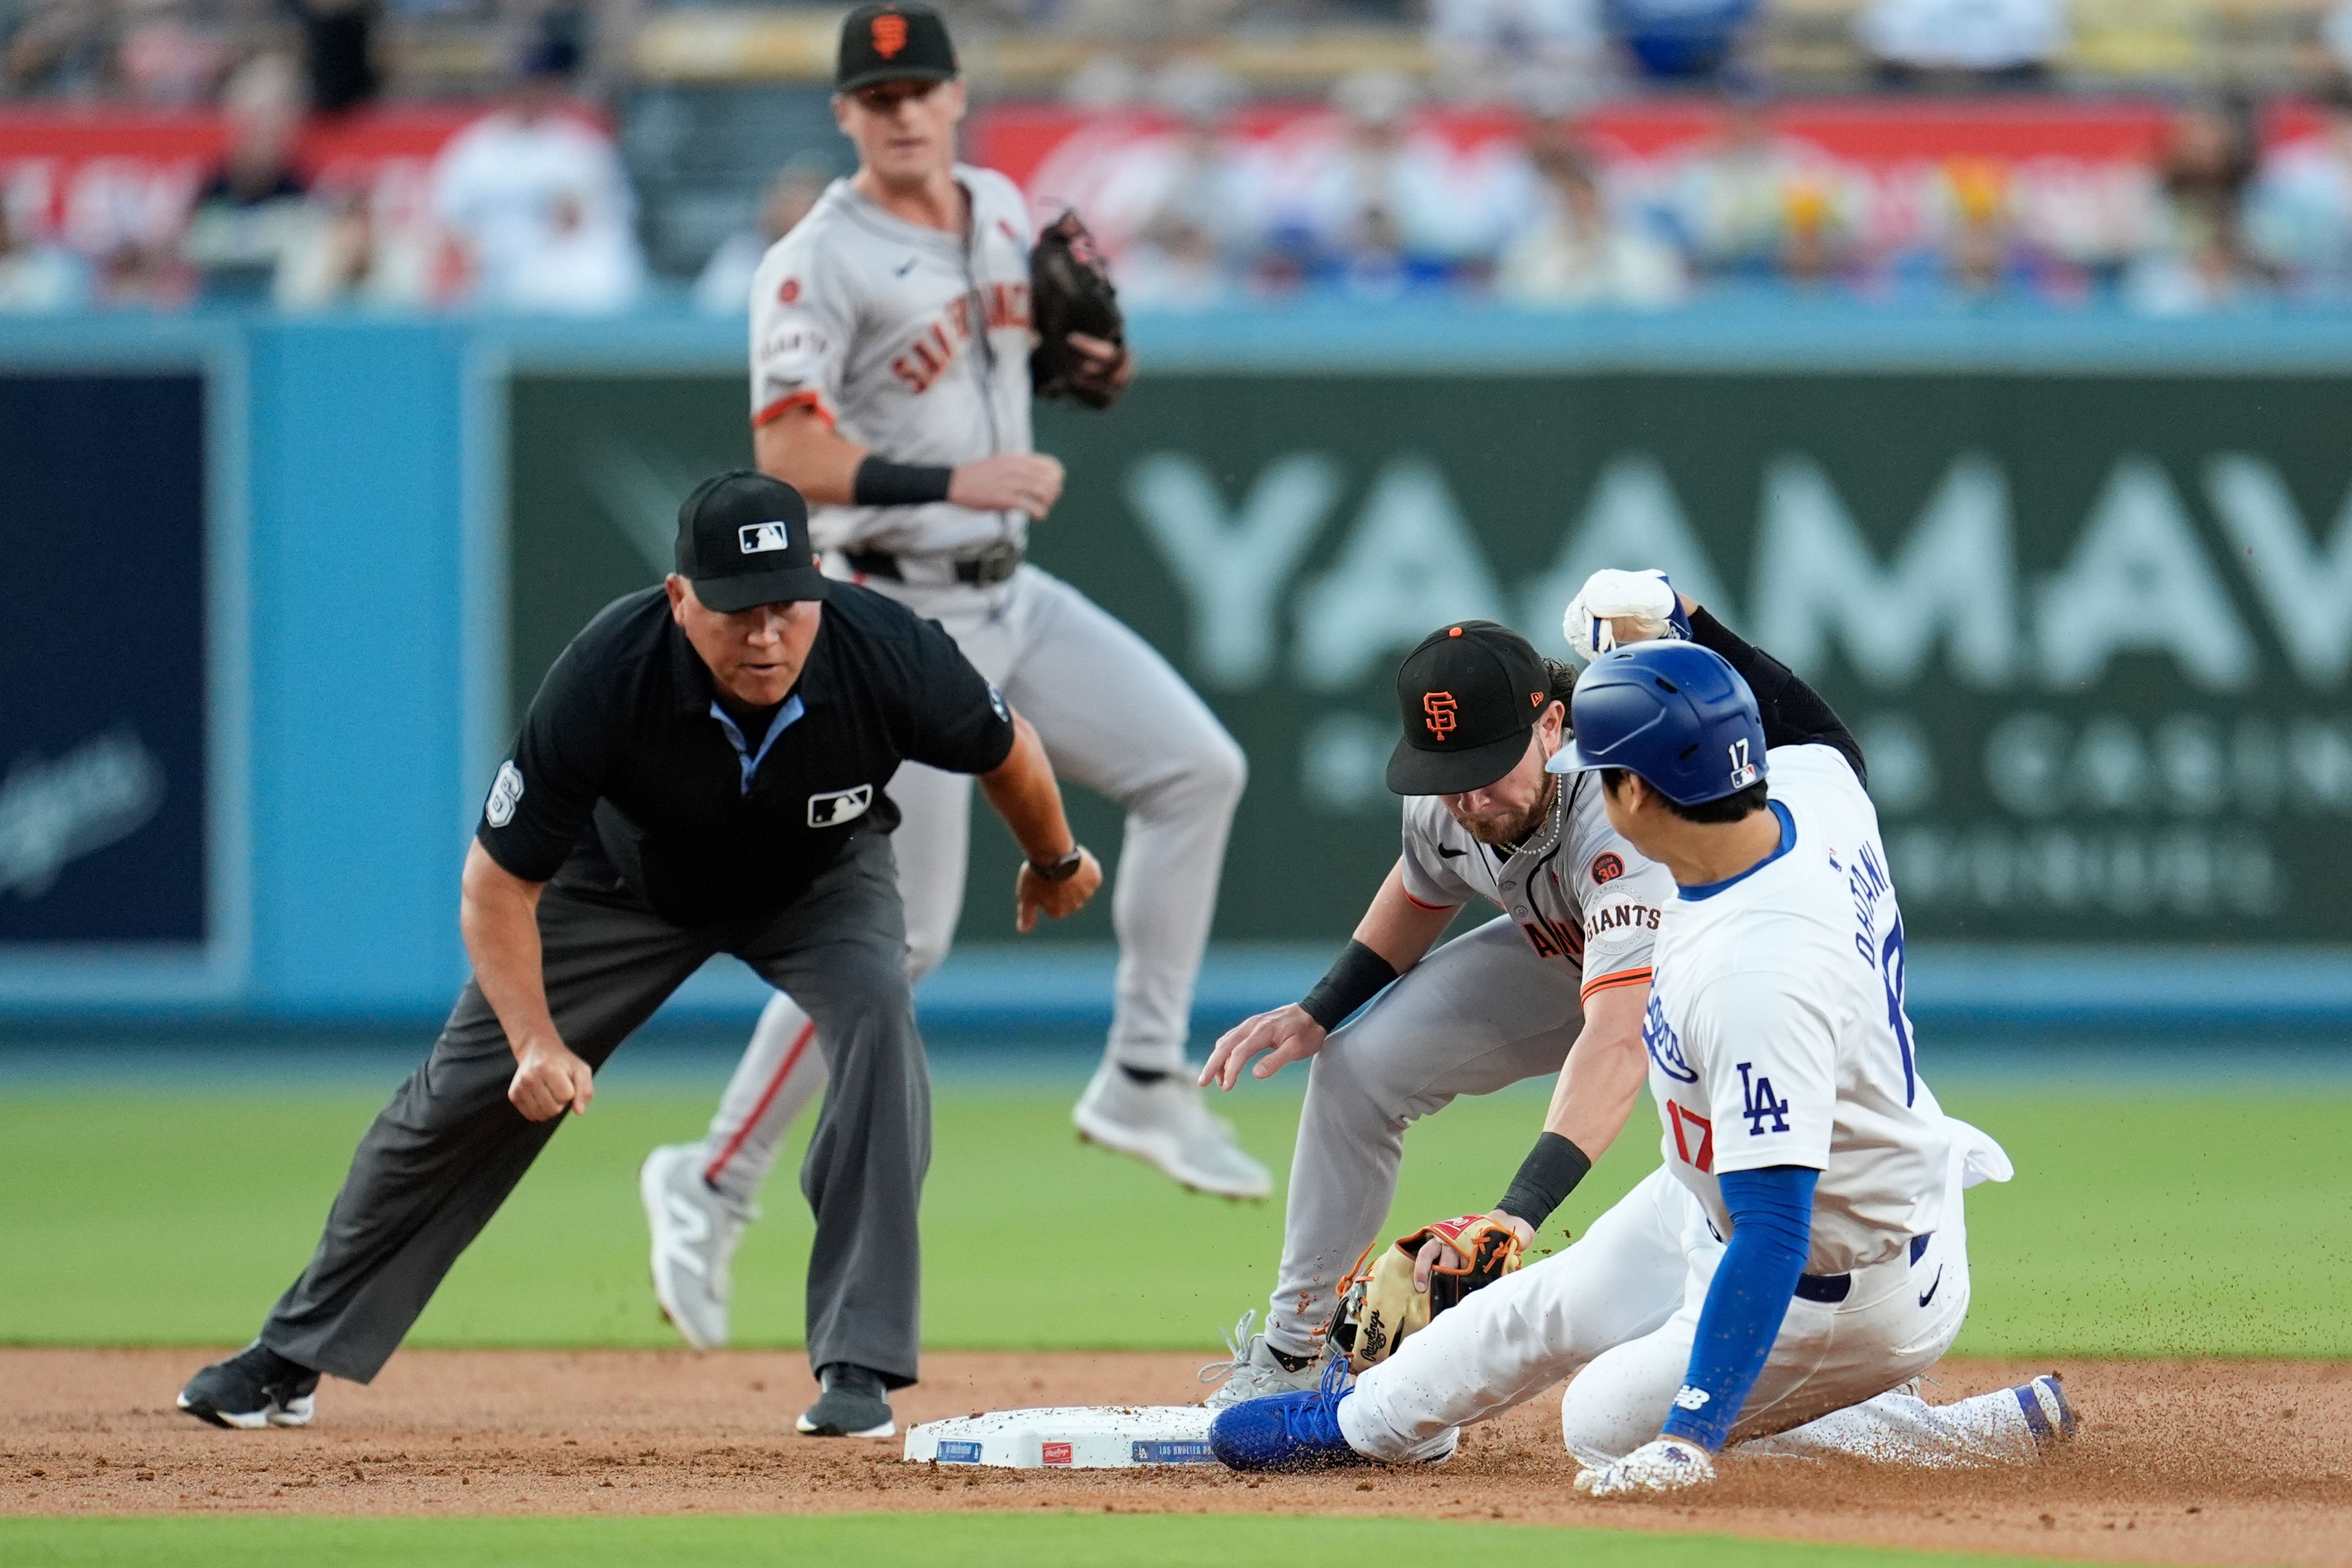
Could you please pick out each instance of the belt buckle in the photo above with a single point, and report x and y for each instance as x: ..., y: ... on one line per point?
x: 996, y: 563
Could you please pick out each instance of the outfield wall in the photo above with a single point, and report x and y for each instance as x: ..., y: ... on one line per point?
x: 2083, y: 583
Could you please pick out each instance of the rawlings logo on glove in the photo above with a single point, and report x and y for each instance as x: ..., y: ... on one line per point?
x: 1379, y: 1305
x: 1616, y: 607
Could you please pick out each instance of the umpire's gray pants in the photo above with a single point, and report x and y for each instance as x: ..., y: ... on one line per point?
x: 448, y: 1147
x: 1477, y: 1015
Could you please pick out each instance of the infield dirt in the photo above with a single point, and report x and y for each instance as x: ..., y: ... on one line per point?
x: 2223, y: 1462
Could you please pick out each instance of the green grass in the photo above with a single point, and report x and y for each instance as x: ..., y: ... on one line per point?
x: 2144, y: 1221
x: 966, y: 1541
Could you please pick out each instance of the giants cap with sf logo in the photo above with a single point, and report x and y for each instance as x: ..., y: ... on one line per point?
x: 893, y: 42
x: 743, y: 540
x: 1468, y: 695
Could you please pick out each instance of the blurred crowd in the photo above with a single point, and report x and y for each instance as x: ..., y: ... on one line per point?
x: 2225, y: 211
x: 530, y: 206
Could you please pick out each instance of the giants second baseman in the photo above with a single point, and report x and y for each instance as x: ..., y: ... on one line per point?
x: 891, y: 334
x: 1556, y: 984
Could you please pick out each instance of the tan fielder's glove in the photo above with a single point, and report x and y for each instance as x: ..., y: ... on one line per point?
x: 1377, y: 1305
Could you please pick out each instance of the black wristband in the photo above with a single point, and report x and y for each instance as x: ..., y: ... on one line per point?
x: 1546, y: 1177
x: 1355, y: 977
x: 881, y: 482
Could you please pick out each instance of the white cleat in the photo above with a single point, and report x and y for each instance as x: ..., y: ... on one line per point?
x: 1167, y: 1125
x: 695, y: 1229
x: 1252, y: 1373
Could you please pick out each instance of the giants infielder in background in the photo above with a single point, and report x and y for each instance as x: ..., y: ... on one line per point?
x: 1802, y: 1252
x: 891, y: 379
x: 1555, y: 985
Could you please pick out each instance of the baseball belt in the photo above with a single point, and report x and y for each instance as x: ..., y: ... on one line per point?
x: 985, y: 570
x: 1834, y: 1288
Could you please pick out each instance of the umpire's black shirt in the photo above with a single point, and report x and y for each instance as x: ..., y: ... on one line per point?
x: 626, y: 742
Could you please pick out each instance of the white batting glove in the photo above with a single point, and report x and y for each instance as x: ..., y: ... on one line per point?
x: 1643, y: 603
x: 1661, y: 1465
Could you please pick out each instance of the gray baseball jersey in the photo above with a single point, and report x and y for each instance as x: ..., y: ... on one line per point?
x: 906, y: 339
x: 1584, y: 898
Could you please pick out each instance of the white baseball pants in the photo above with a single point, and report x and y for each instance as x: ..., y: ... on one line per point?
x: 1480, y: 1013
x: 1618, y: 1310
x: 1115, y: 717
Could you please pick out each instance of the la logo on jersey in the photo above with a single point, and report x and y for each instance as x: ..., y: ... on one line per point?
x: 1758, y: 1103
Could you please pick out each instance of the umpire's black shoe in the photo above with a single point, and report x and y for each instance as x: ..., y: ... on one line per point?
x: 852, y: 1405
x: 256, y: 1387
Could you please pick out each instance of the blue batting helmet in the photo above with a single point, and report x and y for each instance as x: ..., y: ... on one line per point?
x: 1673, y: 712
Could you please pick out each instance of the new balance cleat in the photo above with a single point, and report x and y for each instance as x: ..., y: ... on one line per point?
x: 1289, y: 1432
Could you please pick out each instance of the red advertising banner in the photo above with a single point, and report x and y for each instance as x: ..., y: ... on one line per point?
x: 2075, y: 174
x: 95, y: 178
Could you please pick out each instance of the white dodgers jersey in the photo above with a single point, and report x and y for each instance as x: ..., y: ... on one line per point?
x: 1582, y: 896
x: 1776, y: 1028
x: 910, y: 340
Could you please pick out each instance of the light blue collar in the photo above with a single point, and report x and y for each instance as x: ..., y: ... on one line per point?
x: 1788, y: 842
x: 745, y: 756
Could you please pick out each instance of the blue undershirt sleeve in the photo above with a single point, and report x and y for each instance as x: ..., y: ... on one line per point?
x: 1772, y: 1222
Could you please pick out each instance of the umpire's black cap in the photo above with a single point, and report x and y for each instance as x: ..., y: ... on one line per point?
x: 893, y: 42
x: 743, y: 540
x: 1468, y: 694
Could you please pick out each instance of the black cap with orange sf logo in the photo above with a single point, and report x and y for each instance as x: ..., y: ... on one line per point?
x: 1468, y: 695
x: 893, y: 42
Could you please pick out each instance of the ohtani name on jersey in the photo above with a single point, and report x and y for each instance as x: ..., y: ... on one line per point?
x: 923, y: 361
x: 1620, y: 917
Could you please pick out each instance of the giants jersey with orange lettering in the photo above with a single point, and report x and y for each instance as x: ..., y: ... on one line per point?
x: 910, y: 340
x: 1584, y: 898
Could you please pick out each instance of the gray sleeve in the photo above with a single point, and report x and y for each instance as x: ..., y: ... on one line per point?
x: 1428, y: 882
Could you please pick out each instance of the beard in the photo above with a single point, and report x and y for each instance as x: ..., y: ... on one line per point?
x: 1503, y: 831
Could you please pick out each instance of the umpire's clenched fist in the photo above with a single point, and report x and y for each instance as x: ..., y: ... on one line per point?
x: 548, y: 1078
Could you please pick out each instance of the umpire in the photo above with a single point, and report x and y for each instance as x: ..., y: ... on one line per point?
x: 702, y: 772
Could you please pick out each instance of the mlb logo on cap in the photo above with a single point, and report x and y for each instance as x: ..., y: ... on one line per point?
x: 770, y: 562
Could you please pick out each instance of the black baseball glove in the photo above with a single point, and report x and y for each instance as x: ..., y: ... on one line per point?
x: 1070, y: 292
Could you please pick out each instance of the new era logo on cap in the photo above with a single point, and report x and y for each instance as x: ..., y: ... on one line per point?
x: 758, y: 537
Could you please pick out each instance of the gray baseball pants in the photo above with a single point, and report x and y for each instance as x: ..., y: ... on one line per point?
x: 1480, y: 1013
x: 1114, y: 717
x: 448, y: 1147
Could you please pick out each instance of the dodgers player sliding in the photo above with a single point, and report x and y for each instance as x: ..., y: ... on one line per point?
x: 890, y: 385
x: 1556, y: 984
x: 1796, y: 1125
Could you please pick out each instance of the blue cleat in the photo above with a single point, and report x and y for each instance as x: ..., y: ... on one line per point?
x: 1286, y: 1431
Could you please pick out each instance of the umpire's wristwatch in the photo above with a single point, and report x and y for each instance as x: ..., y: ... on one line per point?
x: 1059, y: 871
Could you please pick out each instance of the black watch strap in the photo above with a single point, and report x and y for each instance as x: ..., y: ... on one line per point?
x: 1060, y: 870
